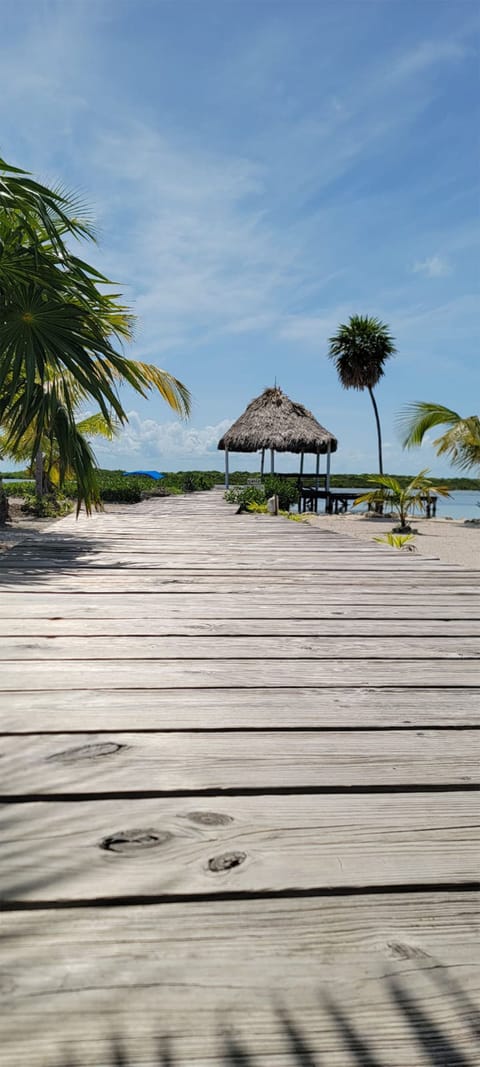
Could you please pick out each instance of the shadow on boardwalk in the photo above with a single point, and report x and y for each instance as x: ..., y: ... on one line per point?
x: 37, y: 560
x: 436, y: 1046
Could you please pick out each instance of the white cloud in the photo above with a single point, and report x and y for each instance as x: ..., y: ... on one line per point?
x: 156, y: 441
x: 432, y: 267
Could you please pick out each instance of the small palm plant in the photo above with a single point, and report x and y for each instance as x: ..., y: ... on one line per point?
x: 402, y: 500
x: 404, y: 542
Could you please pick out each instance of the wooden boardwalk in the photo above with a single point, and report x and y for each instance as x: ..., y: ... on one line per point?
x: 239, y: 772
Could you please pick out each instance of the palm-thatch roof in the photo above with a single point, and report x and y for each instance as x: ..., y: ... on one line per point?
x: 274, y: 421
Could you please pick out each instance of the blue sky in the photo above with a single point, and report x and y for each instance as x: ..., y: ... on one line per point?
x: 259, y: 172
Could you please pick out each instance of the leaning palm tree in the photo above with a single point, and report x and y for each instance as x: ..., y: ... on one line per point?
x: 60, y: 330
x: 460, y: 442
x: 56, y: 460
x: 359, y: 350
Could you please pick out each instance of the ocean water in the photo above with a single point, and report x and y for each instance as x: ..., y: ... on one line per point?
x: 461, y: 504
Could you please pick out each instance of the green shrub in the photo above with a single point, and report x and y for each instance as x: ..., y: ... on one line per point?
x: 192, y: 481
x: 52, y: 506
x: 118, y: 488
x: 245, y: 495
x: 285, y: 488
x: 15, y: 474
x: 24, y: 489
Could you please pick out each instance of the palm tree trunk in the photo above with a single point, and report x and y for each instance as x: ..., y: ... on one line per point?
x: 39, y: 477
x: 379, y: 431
x: 4, y: 516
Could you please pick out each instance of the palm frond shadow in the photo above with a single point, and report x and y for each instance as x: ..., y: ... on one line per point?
x: 435, y: 1044
x: 50, y: 555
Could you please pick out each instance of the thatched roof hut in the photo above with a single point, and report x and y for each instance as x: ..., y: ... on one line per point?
x: 273, y: 421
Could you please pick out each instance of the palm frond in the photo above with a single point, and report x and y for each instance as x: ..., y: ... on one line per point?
x: 98, y: 426
x: 417, y: 419
x: 359, y: 350
x: 58, y: 212
x: 171, y: 389
x: 58, y: 328
x: 460, y: 442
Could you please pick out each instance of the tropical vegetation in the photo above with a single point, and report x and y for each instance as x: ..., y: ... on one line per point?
x: 461, y: 440
x: 404, y: 542
x: 402, y: 500
x: 272, y: 484
x: 360, y: 349
x: 61, y: 328
x: 116, y: 487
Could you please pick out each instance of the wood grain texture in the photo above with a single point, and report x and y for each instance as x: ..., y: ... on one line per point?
x: 232, y: 709
x: 238, y: 647
x: 334, y: 972
x: 18, y: 603
x: 296, y: 559
x: 162, y: 847
x: 187, y: 674
x: 157, y: 625
x: 347, y: 587
x: 277, y: 689
x: 130, y: 762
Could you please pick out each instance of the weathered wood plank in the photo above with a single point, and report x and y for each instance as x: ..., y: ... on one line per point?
x: 132, y: 762
x: 264, y: 589
x: 89, y: 851
x: 238, y: 647
x: 179, y: 626
x: 392, y: 975
x: 19, y: 603
x: 230, y: 709
x: 293, y: 559
x: 331, y: 585
x: 165, y: 674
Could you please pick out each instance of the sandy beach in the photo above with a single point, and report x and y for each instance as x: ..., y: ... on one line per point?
x: 21, y: 527
x: 444, y: 539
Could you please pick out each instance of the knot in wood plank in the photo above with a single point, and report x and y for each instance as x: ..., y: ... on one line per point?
x: 129, y: 842
x: 226, y: 861
x: 98, y: 750
x: 208, y: 818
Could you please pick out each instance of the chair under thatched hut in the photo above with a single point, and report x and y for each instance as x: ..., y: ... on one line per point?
x: 272, y: 421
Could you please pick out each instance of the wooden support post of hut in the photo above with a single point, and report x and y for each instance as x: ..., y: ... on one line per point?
x: 272, y: 421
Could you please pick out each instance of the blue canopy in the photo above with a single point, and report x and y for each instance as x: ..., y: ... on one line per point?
x: 145, y: 474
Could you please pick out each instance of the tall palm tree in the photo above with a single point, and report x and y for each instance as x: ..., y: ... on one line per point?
x: 60, y: 329
x: 460, y: 442
x: 359, y: 349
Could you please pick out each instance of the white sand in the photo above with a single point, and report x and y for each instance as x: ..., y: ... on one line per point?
x: 443, y: 539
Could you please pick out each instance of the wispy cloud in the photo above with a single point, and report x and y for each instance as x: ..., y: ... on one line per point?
x: 425, y: 56
x: 200, y: 249
x: 432, y: 267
